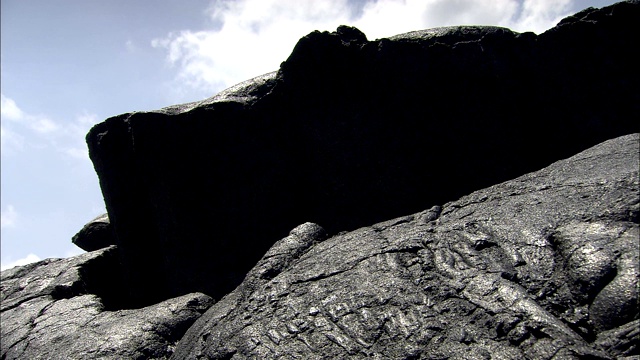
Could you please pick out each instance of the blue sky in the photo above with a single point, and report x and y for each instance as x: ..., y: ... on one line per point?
x: 68, y: 64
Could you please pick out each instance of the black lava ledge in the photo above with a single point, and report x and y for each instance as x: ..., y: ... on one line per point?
x: 350, y: 132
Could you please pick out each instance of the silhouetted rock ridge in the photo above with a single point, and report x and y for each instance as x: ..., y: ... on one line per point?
x: 350, y: 132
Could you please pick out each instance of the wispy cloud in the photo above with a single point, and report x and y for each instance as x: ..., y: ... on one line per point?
x: 13, y: 113
x: 130, y: 46
x: 31, y: 258
x: 10, y: 141
x: 76, y: 131
x: 8, y: 217
x: 539, y: 15
x: 251, y: 37
x: 42, y: 132
x: 43, y: 125
x: 469, y: 12
x: 9, y: 110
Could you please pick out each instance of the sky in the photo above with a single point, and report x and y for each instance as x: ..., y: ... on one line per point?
x: 69, y: 64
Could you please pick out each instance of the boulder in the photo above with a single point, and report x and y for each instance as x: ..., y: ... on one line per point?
x: 70, y: 309
x: 349, y: 132
x: 545, y: 266
x: 95, y: 235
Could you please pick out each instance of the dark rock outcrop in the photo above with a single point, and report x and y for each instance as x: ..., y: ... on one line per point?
x: 95, y: 235
x: 61, y: 309
x: 545, y: 266
x: 350, y: 132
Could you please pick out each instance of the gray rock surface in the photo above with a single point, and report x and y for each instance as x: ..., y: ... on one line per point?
x: 350, y: 132
x: 96, y: 234
x: 545, y: 266
x: 52, y: 310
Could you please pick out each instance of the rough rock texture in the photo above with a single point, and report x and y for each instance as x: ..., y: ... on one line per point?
x: 60, y: 309
x: 350, y: 132
x: 545, y: 266
x: 96, y: 234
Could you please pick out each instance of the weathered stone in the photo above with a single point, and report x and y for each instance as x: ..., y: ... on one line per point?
x: 350, y: 132
x: 95, y: 235
x: 545, y: 266
x: 66, y: 309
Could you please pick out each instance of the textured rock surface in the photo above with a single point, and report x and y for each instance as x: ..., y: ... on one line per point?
x: 350, y: 132
x: 59, y: 309
x: 96, y: 234
x: 544, y: 266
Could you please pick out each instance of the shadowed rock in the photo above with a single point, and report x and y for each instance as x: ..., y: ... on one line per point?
x: 545, y: 266
x: 96, y: 234
x: 350, y: 132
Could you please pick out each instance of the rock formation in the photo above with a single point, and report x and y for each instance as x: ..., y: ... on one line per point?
x: 96, y: 234
x: 346, y: 134
x: 350, y: 132
x: 543, y: 266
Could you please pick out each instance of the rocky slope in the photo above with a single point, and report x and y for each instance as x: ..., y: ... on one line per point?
x: 543, y: 266
x: 348, y: 133
x: 60, y: 309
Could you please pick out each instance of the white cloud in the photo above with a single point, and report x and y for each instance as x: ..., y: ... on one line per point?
x: 540, y: 15
x: 43, y: 125
x: 75, y: 133
x: 252, y: 37
x: 10, y: 141
x: 469, y: 12
x: 67, y: 138
x: 9, y: 110
x: 31, y: 258
x: 8, y: 217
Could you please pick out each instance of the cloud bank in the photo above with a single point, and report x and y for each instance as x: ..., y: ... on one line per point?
x: 247, y: 38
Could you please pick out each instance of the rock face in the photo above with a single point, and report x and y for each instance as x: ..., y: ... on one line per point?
x: 545, y: 266
x: 96, y: 234
x: 63, y: 309
x: 350, y: 132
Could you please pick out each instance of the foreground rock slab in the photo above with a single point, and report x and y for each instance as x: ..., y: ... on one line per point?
x: 51, y: 310
x: 545, y: 266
